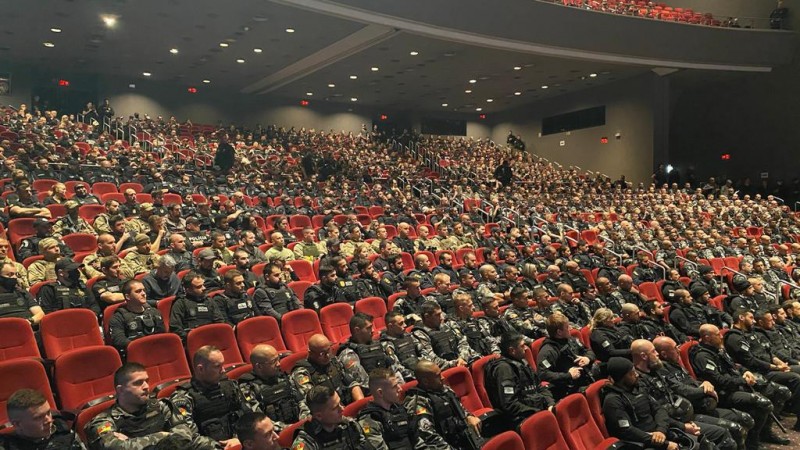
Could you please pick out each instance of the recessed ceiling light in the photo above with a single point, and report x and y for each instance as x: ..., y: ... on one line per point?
x: 517, y: 68
x: 147, y: 74
x: 414, y: 53
x: 473, y: 81
x: 257, y: 50
x: 489, y: 100
x: 444, y: 105
x: 290, y: 30
x: 468, y: 91
x: 479, y: 109
x: 592, y: 75
x: 353, y: 99
x: 240, y: 61
x: 55, y: 30
x: 353, y: 77
x: 517, y: 93
x: 132, y: 86
x: 309, y: 94
x: 109, y: 19
x: 223, y: 44
x: 375, y: 69
x: 49, y: 44
x: 331, y: 85
x: 544, y: 87
x: 207, y: 81
x: 174, y: 51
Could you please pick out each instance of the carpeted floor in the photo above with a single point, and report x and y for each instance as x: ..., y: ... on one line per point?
x: 794, y: 436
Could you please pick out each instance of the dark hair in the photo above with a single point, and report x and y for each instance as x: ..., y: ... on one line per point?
x: 508, y: 340
x: 246, y: 425
x: 127, y: 286
x: 230, y: 275
x: 360, y: 320
x: 379, y: 375
x: 739, y: 312
x: 318, y: 397
x: 123, y: 374
x: 429, y: 307
x: 108, y: 261
x: 22, y: 400
x: 363, y: 264
x: 325, y: 270
x: 202, y: 354
x: 391, y: 315
x: 189, y: 277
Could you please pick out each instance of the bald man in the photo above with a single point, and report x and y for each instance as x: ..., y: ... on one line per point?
x: 269, y: 390
x: 320, y: 367
x: 652, y: 378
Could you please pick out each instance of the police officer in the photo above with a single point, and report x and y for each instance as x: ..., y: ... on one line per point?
x: 441, y: 418
x: 522, y: 317
x: 257, y: 432
x: 321, y: 368
x: 274, y: 298
x: 269, y: 390
x: 395, y: 339
x: 606, y: 339
x: 478, y: 334
x: 234, y: 303
x: 563, y: 361
x: 714, y: 316
x: 135, y: 319
x: 209, y: 403
x: 368, y: 283
x: 360, y: 355
x: 438, y: 343
x: 745, y: 299
x: 608, y: 296
x: 30, y: 246
x: 512, y: 385
x: 317, y: 296
x: 347, y: 289
x: 137, y: 421
x: 108, y: 290
x: 653, y: 379
x: 35, y: 427
x: 193, y: 308
x: 573, y: 307
x: 68, y: 291
x: 737, y: 388
x: 653, y: 323
x: 410, y: 303
x: 386, y: 423
x: 207, y: 267
x: 328, y: 428
x: 671, y: 284
x: 392, y: 278
x: 14, y: 301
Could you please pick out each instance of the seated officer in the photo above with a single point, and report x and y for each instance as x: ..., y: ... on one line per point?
x: 441, y: 418
x: 135, y: 319
x: 139, y: 421
x: 274, y: 298
x: 234, y: 302
x: 438, y: 343
x: 360, y: 354
x: 328, y: 428
x: 193, y: 308
x: 317, y: 296
x: 397, y: 340
x: 606, y: 339
x: 524, y: 318
x: 563, y: 361
x: 68, y: 291
x: 653, y: 323
x: 107, y: 290
x: 35, y: 427
x: 386, y: 423
x: 685, y: 314
x: 210, y: 404
x: 478, y: 333
x: 321, y: 368
x: 269, y: 390
x: 14, y: 301
x: 512, y: 385
x: 257, y: 432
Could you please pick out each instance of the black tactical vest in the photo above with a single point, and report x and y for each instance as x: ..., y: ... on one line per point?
x: 397, y: 425
x: 12, y: 304
x: 371, y: 356
x: 330, y: 376
x: 405, y: 349
x: 139, y: 425
x: 444, y: 342
x: 344, y: 437
x: 279, y: 297
x: 214, y: 409
x: 279, y: 400
x: 138, y: 325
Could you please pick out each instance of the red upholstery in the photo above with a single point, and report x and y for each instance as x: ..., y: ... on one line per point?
x: 540, y: 432
x: 234, y: 374
x: 164, y: 307
x: 19, y: 229
x: 81, y: 242
x: 535, y: 347
x: 286, y: 437
x: 17, y: 340
x: 69, y: 329
x: 163, y: 356
x: 299, y: 288
x: 353, y: 409
x: 108, y: 313
x: 578, y: 426
x: 335, y: 321
x: 685, y: 361
x: 460, y: 380
x: 90, y: 212
x: 479, y: 377
x: 298, y: 326
x: 86, y: 374
x: 135, y: 186
x: 303, y: 269
x: 596, y: 405
x: 99, y: 188
x: 650, y: 290
x: 287, y: 363
x: 375, y: 307
x: 21, y: 374
x: 219, y: 335
x: 408, y: 260
x: 504, y: 441
x: 258, y: 330
x: 86, y: 416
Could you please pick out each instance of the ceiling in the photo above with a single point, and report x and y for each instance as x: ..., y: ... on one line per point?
x: 322, y: 50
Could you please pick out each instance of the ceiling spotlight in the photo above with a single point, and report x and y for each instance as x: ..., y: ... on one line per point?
x: 544, y: 87
x: 353, y: 99
x: 132, y: 86
x: 478, y: 109
x: 331, y: 85
x: 223, y: 44
x: 517, y: 68
x: 444, y: 105
x: 240, y: 61
x: 309, y: 94
x: 473, y: 81
x: 517, y: 93
x: 49, y: 44
x: 110, y: 20
x: 468, y: 91
x: 55, y: 30
x: 174, y: 51
x: 489, y: 100
x: 257, y: 50
x: 353, y: 77
x: 207, y: 81
x: 414, y: 53
x: 290, y: 30
x: 592, y: 75
x: 147, y: 74
x: 375, y: 69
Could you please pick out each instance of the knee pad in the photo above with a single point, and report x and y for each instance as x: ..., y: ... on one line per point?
x: 745, y: 420
x: 727, y: 444
x: 763, y: 403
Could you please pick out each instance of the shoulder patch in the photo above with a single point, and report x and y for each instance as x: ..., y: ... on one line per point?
x: 623, y: 423
x: 421, y: 410
x: 303, y: 379
x: 299, y: 446
x: 103, y: 428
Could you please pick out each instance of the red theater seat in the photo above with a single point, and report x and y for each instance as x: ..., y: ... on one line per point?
x: 298, y: 326
x: 504, y: 441
x: 540, y: 432
x: 578, y: 426
x: 85, y: 376
x: 375, y: 307
x: 219, y: 335
x: 460, y: 380
x: 69, y: 329
x: 258, y: 330
x: 163, y: 356
x: 22, y: 374
x: 335, y: 321
x: 479, y: 377
x: 17, y: 340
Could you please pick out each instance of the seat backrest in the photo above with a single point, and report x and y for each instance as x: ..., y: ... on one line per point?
x: 68, y: 329
x: 299, y: 288
x: 335, y: 321
x: 651, y: 291
x: 479, y: 378
x: 354, y: 408
x: 86, y: 374
x: 21, y: 374
x: 219, y: 335
x: 19, y: 229
x: 508, y: 440
x: 685, y: 360
x: 298, y: 326
x: 460, y: 380
x: 540, y: 432
x: 162, y: 355
x: 303, y: 269
x: 577, y: 424
x: 108, y: 313
x: 375, y: 307
x: 258, y: 330
x: 164, y: 307
x: 596, y: 405
x: 81, y: 242
x: 286, y: 436
x: 86, y: 416
x: 17, y: 340
x: 535, y: 347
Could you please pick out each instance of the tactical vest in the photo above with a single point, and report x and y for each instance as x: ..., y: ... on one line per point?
x: 475, y: 338
x: 444, y: 342
x: 279, y: 297
x: 446, y: 417
x: 527, y: 381
x: 332, y: 378
x: 151, y: 421
x: 138, y: 325
x: 214, y: 409
x: 198, y: 313
x: 278, y: 400
x: 61, y: 439
x: 67, y: 298
x: 343, y: 437
x: 238, y: 309
x: 12, y: 304
x: 397, y: 425
x: 371, y: 356
x: 405, y: 349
